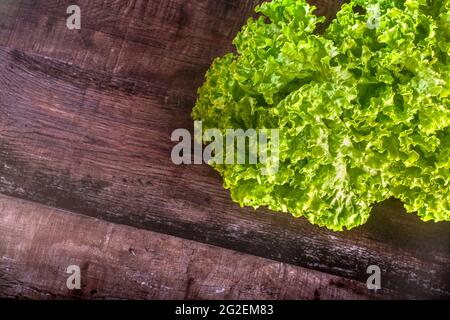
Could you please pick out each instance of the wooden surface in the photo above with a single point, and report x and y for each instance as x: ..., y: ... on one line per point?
x: 85, y: 124
x: 120, y: 262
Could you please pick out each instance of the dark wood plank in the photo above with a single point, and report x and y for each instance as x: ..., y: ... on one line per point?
x: 91, y: 134
x: 38, y: 243
x: 125, y: 38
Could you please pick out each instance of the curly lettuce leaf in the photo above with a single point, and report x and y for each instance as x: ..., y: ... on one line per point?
x: 363, y: 109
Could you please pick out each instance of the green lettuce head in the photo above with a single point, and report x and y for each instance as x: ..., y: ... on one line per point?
x: 363, y: 109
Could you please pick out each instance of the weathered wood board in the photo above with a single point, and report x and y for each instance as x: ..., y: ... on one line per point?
x: 119, y: 262
x: 85, y: 123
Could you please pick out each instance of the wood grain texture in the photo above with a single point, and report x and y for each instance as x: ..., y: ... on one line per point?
x: 85, y: 124
x: 168, y: 42
x: 38, y: 243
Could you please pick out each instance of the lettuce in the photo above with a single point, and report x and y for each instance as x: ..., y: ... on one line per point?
x: 363, y: 109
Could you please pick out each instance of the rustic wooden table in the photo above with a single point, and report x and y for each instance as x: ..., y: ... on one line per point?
x: 85, y: 123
